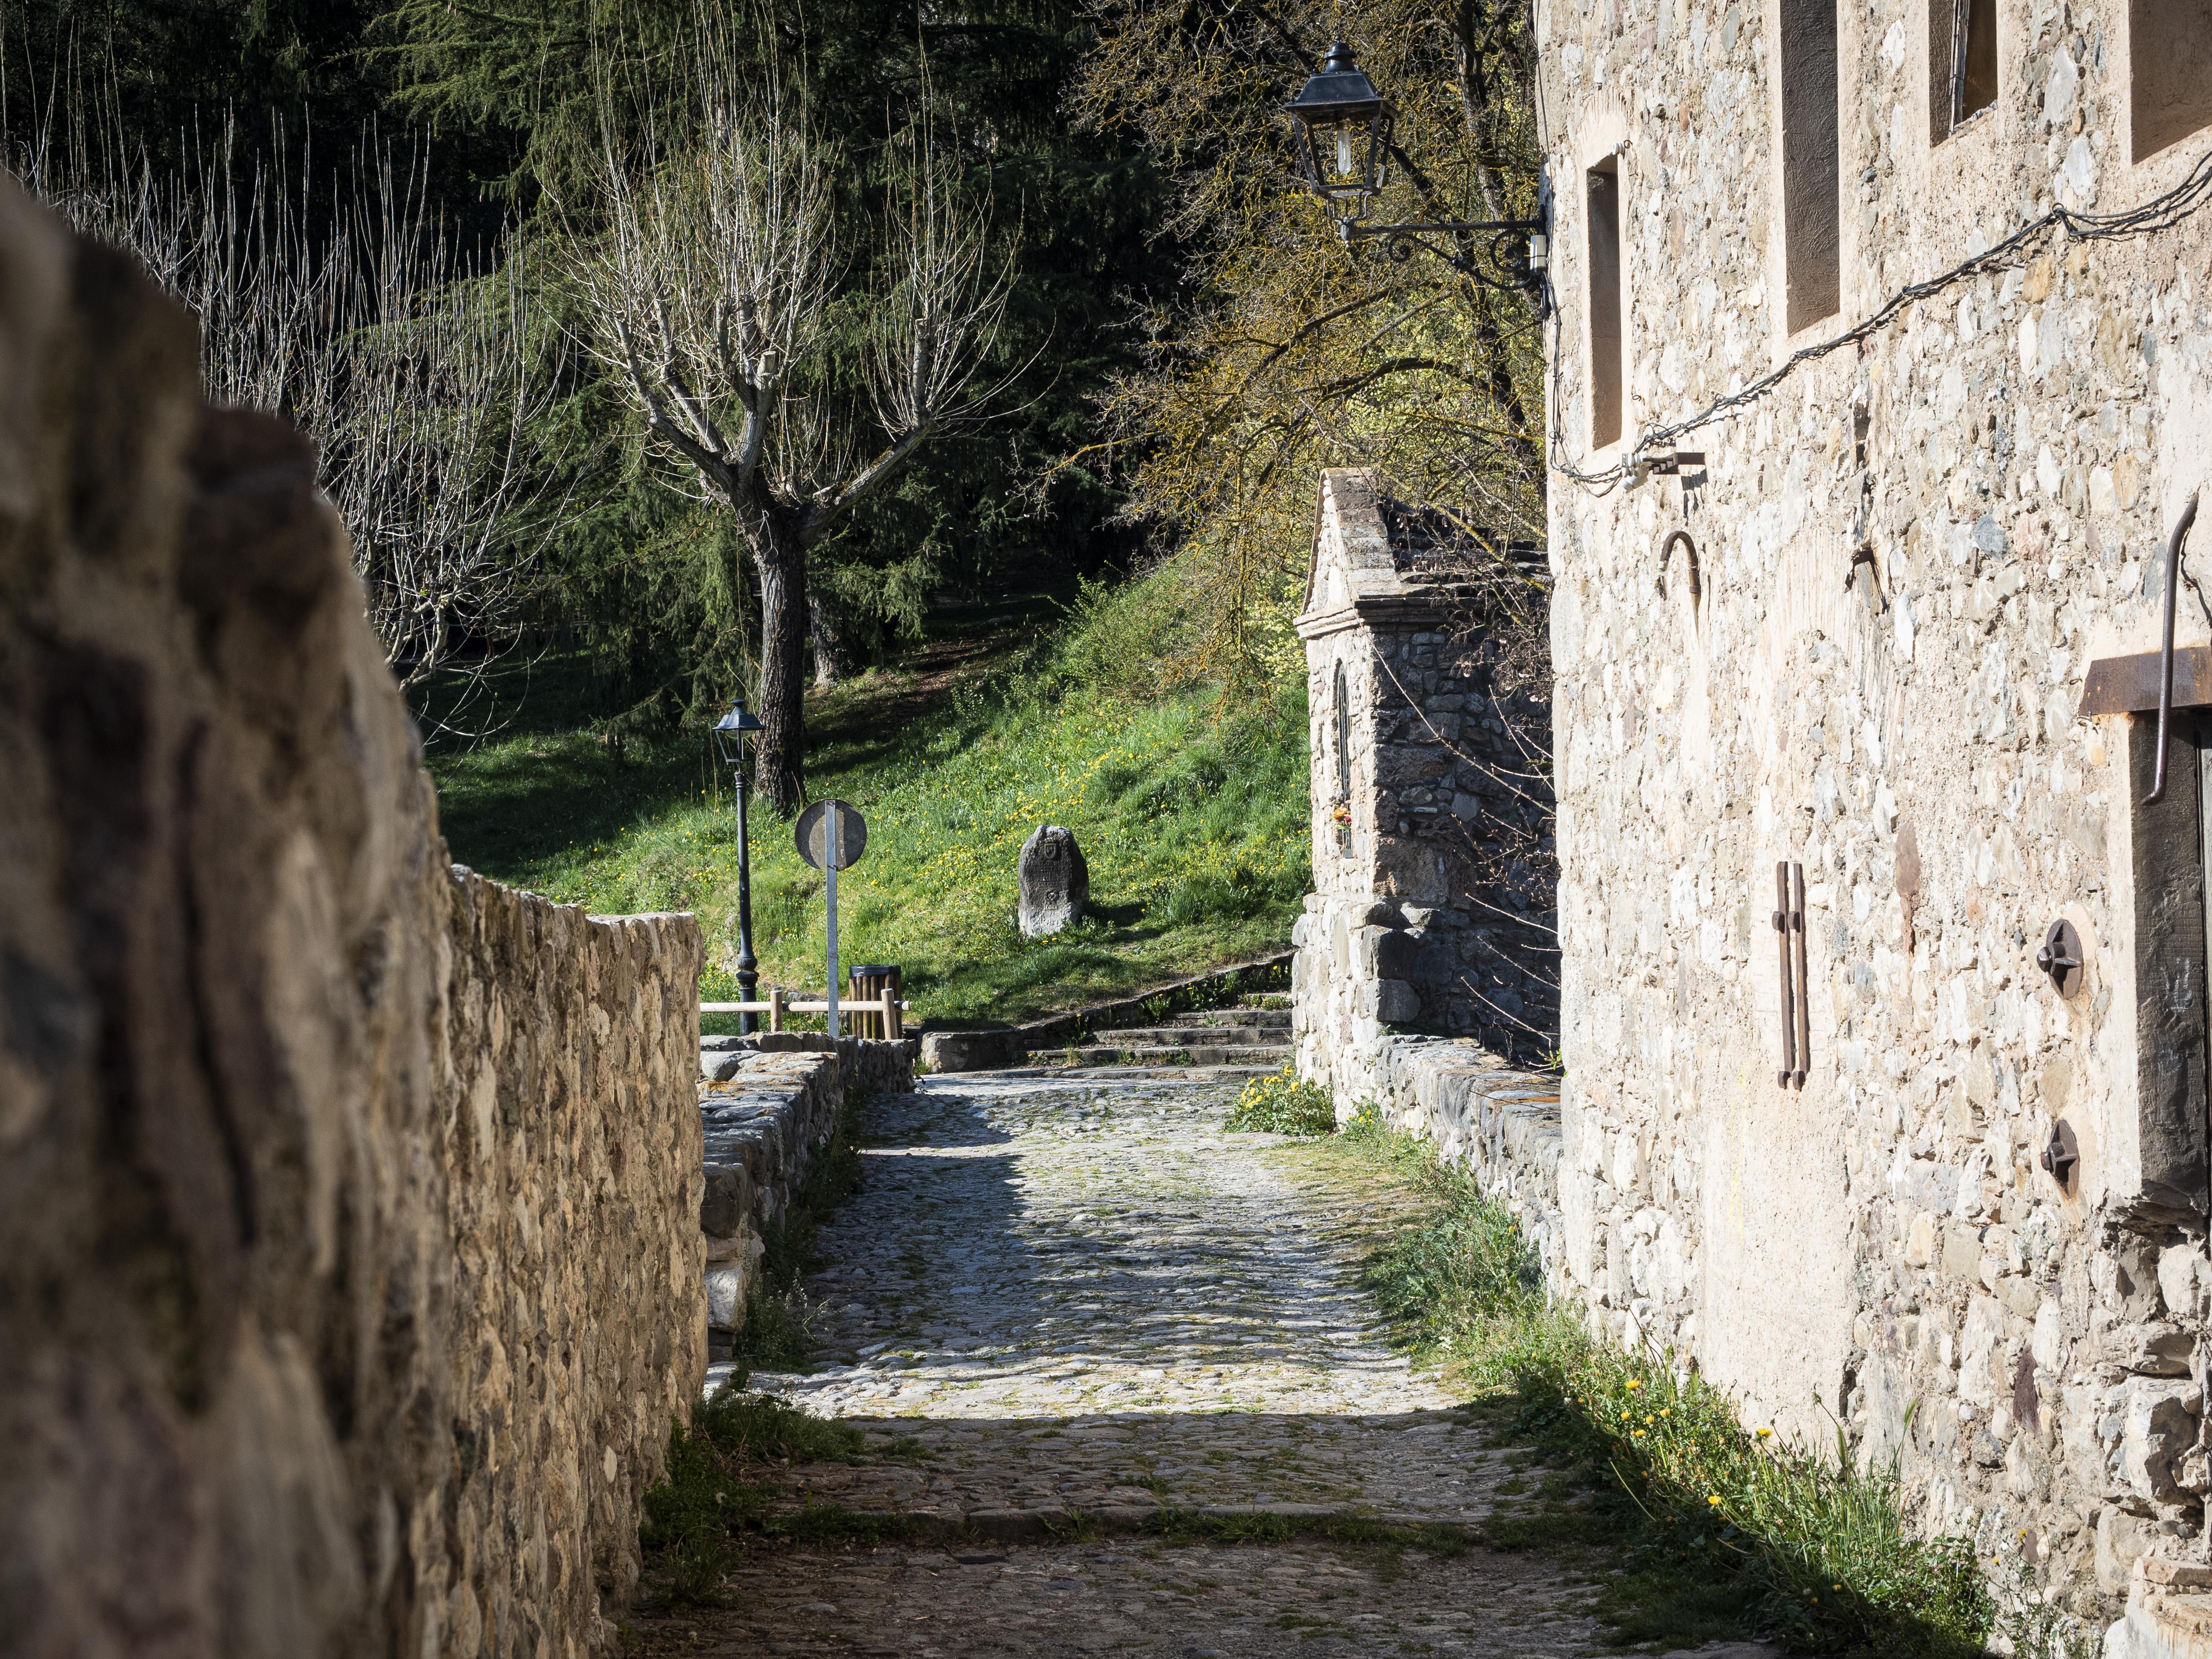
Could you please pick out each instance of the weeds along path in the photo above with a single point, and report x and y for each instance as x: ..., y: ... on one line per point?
x: 1126, y: 1397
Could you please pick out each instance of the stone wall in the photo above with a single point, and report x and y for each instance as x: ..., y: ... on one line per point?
x: 770, y: 1105
x: 572, y: 1157
x: 1905, y: 555
x: 1432, y: 901
x: 348, y: 1272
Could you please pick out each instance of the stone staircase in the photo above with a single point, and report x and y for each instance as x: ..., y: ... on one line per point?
x: 1247, y: 1040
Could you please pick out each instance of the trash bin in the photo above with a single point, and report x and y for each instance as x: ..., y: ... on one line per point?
x: 869, y: 982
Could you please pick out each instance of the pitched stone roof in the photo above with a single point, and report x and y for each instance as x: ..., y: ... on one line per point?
x: 1374, y: 555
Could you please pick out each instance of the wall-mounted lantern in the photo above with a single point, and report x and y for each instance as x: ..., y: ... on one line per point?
x: 1344, y: 144
x: 1343, y: 134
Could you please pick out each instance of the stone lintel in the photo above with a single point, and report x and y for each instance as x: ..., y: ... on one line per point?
x: 1378, y: 611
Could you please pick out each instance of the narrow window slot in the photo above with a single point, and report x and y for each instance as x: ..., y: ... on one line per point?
x: 1343, y: 737
x: 1812, y: 192
x: 2170, y: 80
x: 1962, y: 62
x: 1606, y: 317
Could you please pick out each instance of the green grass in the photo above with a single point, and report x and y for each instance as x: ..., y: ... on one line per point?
x: 705, y: 1501
x: 1193, y: 823
x: 1706, y: 1528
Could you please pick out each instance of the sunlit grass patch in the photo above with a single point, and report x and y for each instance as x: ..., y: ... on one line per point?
x: 1705, y: 1525
x: 1193, y: 822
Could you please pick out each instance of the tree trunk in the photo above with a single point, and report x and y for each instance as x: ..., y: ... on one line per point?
x: 781, y: 754
x: 833, y: 653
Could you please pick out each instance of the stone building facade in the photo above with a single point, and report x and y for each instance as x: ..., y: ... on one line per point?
x: 1872, y: 633
x: 1431, y: 809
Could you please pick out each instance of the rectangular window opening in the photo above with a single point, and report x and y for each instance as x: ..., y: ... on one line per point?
x: 1962, y: 62
x: 1812, y: 190
x: 2170, y: 80
x: 1605, y: 318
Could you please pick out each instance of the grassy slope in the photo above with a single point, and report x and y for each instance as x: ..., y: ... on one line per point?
x: 1194, y: 827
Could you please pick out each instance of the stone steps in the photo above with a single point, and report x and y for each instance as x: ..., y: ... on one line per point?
x: 1137, y: 1074
x: 1244, y: 1040
x: 1269, y: 1019
x: 1177, y: 1036
x: 1267, y: 1054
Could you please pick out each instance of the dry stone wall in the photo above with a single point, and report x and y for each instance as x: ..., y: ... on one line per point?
x: 771, y: 1104
x: 1906, y: 555
x: 348, y: 1258
x: 1500, y: 1124
x: 572, y: 1162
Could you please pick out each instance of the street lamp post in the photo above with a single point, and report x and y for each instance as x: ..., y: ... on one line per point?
x: 1343, y: 146
x: 730, y: 733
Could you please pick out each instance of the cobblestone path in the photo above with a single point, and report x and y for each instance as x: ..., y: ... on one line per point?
x: 1088, y: 1301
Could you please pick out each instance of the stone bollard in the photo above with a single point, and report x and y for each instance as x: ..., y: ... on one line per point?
x: 1055, y: 881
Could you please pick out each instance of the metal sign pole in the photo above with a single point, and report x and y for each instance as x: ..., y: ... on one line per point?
x: 830, y: 862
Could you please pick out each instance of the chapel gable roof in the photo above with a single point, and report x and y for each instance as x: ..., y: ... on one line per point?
x: 1373, y: 554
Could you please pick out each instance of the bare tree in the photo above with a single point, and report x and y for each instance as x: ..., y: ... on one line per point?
x: 416, y: 373
x: 710, y: 270
x: 431, y: 455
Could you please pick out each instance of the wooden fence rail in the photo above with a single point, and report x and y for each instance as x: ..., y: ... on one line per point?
x: 885, y: 1014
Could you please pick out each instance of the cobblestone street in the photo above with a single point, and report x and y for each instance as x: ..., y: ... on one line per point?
x: 1087, y: 1301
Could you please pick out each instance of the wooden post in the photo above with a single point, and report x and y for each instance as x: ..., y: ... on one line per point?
x: 776, y: 1008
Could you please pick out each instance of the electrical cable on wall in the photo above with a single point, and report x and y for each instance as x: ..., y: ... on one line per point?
x: 2161, y: 213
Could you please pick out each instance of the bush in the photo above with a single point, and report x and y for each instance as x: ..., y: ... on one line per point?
x: 1282, y: 1105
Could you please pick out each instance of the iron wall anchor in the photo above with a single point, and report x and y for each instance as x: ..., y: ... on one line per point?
x: 2061, y: 958
x: 2060, y: 1155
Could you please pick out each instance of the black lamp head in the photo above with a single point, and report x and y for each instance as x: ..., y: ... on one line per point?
x: 1343, y: 134
x: 730, y: 731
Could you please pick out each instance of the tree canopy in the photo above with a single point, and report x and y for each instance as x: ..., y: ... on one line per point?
x: 1179, y: 341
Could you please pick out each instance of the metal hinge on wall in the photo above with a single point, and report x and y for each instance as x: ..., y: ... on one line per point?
x: 1790, y: 945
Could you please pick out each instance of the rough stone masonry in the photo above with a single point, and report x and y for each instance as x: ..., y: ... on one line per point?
x: 1866, y: 654
x: 350, y: 1257
x: 1431, y: 812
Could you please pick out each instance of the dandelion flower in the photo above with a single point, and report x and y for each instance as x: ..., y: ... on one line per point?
x: 1763, y: 1433
x: 1714, y: 1500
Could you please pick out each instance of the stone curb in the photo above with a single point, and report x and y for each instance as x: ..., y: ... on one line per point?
x: 1053, y: 1522
x: 1128, y: 1074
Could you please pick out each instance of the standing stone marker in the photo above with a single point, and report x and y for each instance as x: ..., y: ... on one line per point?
x: 1055, y: 881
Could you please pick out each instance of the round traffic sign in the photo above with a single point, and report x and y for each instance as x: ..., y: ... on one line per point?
x: 812, y: 834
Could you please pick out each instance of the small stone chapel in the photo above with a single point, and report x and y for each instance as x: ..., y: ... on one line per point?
x: 1431, y: 908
